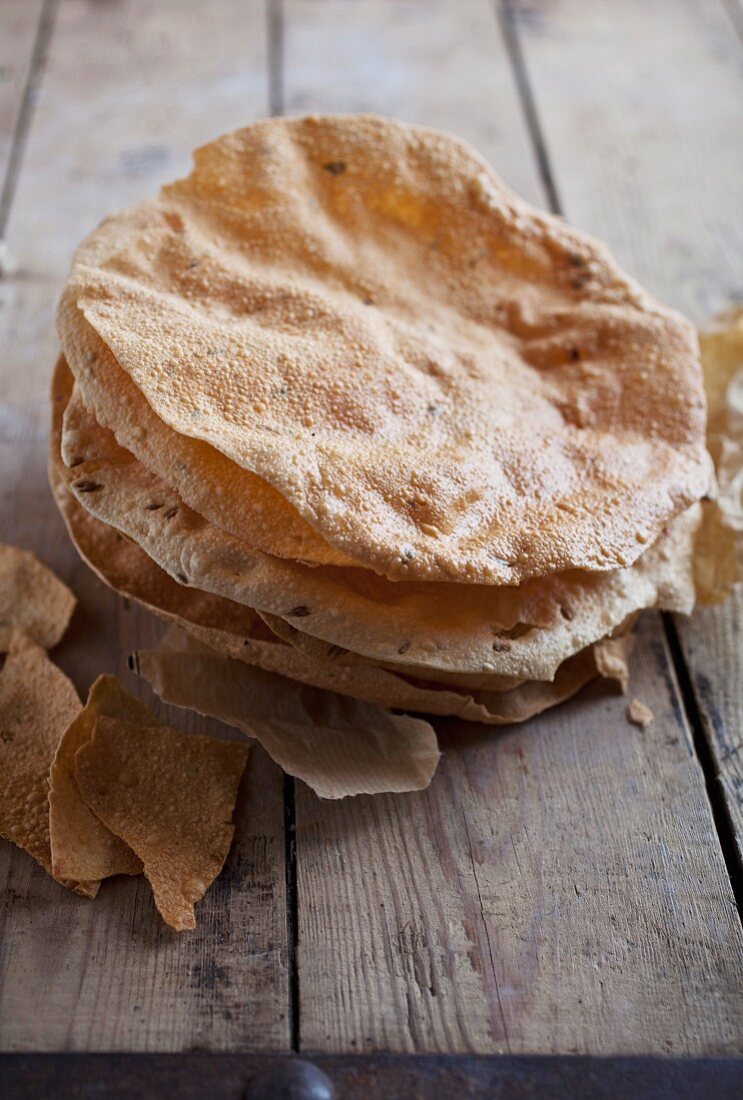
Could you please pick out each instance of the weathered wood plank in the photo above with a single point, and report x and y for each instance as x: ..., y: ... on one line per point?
x: 129, y: 90
x: 641, y: 107
x: 108, y: 975
x: 557, y: 889
x: 560, y: 887
x: 435, y: 63
x: 711, y: 642
x: 19, y: 22
x: 642, y: 111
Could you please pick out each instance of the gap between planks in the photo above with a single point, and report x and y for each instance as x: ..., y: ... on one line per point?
x: 720, y: 809
x: 720, y: 813
x: 275, y: 30
x: 509, y: 31
x: 225, y: 986
x: 39, y: 53
x: 410, y: 896
x: 288, y: 801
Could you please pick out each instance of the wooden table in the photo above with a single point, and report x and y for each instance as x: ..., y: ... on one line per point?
x: 567, y: 887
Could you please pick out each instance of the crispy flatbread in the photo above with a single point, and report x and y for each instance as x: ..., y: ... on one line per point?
x: 443, y: 382
x: 37, y: 704
x: 719, y: 547
x: 170, y: 797
x: 231, y: 497
x: 525, y: 633
x: 339, y: 746
x: 189, y: 674
x: 33, y: 600
x: 235, y: 631
x: 82, y: 846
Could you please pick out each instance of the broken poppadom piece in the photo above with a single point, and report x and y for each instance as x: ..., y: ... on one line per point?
x: 82, y: 846
x: 170, y: 797
x: 639, y: 714
x: 337, y: 745
x: 611, y: 659
x: 37, y: 704
x: 33, y: 600
x: 719, y: 543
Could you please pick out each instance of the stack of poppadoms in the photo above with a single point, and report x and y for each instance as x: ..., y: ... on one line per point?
x: 367, y: 420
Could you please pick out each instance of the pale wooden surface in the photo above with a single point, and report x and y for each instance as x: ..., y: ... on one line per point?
x: 19, y: 23
x: 560, y: 887
x: 128, y: 89
x: 458, y: 926
x: 438, y: 63
x: 557, y: 889
x: 641, y: 107
x: 712, y: 645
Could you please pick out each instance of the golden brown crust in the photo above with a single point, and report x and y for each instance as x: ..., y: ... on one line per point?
x: 443, y: 382
x: 229, y: 496
x: 33, y: 600
x: 235, y: 631
x: 82, y: 846
x: 526, y: 632
x: 37, y: 704
x: 169, y: 796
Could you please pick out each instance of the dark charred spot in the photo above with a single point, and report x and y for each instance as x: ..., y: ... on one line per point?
x: 182, y: 578
x: 404, y: 648
x: 576, y: 260
x: 578, y: 281
x: 85, y: 485
x: 171, y: 512
x: 367, y: 301
x: 501, y: 645
x: 153, y: 506
x: 574, y: 354
x: 335, y: 167
x: 566, y: 613
x: 300, y: 612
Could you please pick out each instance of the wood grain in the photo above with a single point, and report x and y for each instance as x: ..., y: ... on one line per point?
x: 426, y: 61
x: 557, y: 889
x: 130, y: 88
x: 19, y: 22
x: 560, y: 887
x: 711, y: 641
x: 109, y: 975
x: 641, y: 107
